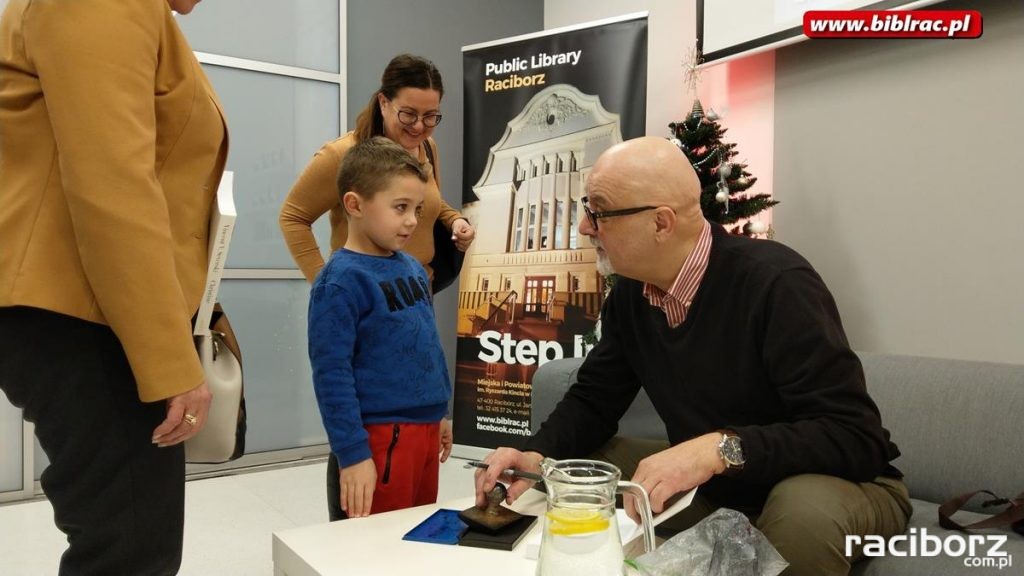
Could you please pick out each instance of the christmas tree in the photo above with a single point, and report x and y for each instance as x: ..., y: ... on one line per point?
x: 723, y: 197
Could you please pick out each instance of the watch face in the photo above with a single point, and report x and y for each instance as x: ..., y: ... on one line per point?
x: 731, y: 450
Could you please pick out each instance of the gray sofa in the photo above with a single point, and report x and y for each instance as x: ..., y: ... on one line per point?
x: 958, y: 425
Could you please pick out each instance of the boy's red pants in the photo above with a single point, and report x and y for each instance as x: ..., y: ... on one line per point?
x: 406, y: 456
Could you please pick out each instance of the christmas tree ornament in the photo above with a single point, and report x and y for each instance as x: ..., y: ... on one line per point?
x: 722, y: 197
x: 694, y: 118
x: 698, y: 165
x: 691, y: 69
x: 677, y: 142
x: 756, y: 227
x: 725, y: 170
x: 713, y: 116
x: 698, y: 110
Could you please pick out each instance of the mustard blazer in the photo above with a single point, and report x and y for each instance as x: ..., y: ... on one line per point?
x: 112, y: 144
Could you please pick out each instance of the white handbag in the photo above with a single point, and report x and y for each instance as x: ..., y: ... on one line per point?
x: 223, y: 436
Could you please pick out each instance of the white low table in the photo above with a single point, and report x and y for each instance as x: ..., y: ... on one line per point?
x: 374, y: 545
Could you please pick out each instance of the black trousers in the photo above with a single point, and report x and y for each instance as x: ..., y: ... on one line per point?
x: 334, y: 511
x: 119, y: 498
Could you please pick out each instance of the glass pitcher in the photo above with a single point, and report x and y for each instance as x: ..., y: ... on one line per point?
x: 581, y: 534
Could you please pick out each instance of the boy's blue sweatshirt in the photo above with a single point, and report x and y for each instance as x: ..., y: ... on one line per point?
x: 374, y: 348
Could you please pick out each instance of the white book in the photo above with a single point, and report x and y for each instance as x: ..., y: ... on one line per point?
x: 222, y: 224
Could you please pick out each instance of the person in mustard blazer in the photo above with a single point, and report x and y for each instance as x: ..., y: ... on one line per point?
x: 112, y: 145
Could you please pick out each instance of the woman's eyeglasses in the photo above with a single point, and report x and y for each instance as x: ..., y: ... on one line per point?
x: 409, y: 118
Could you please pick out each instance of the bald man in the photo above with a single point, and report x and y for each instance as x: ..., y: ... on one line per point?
x: 740, y: 347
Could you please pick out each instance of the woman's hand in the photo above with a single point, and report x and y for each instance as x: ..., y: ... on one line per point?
x: 186, y: 416
x: 463, y: 234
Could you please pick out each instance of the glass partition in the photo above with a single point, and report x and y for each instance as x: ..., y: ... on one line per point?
x: 303, y: 34
x: 276, y: 124
x: 269, y: 319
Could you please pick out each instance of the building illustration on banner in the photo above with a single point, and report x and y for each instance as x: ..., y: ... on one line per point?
x: 530, y: 291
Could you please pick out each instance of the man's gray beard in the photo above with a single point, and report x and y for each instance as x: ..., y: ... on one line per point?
x: 604, y: 265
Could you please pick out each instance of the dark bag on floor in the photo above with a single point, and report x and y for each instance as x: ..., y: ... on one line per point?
x: 1012, y: 516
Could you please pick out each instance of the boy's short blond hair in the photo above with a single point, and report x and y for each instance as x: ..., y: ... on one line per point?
x: 370, y: 165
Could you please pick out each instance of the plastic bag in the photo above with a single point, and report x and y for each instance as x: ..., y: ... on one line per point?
x: 723, y: 544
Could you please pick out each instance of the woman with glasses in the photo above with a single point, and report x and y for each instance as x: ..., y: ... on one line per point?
x: 405, y: 109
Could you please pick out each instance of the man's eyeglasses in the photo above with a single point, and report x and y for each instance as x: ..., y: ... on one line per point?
x: 595, y: 216
x: 409, y: 118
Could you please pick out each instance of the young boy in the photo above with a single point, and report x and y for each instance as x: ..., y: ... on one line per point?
x: 378, y: 368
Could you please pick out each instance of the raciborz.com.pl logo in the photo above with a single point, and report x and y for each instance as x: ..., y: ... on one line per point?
x: 976, y: 550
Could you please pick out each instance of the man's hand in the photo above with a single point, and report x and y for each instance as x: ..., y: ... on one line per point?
x: 357, y: 484
x: 446, y: 439
x: 462, y: 234
x: 501, y: 460
x: 676, y: 469
x: 186, y: 416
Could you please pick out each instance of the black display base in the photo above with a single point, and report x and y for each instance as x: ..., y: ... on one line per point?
x: 504, y: 539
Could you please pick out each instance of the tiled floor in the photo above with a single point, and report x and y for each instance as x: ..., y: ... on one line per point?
x: 228, y: 520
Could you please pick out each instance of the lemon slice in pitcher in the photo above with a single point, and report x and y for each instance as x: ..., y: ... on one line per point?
x: 568, y: 522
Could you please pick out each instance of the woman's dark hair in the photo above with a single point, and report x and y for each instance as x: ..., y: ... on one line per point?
x: 404, y: 71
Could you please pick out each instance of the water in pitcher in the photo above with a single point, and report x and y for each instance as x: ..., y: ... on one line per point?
x: 581, y: 538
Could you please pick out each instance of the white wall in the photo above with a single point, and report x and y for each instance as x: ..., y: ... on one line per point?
x: 898, y: 166
x: 896, y: 162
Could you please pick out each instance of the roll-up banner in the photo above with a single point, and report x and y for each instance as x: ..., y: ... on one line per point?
x: 539, y: 110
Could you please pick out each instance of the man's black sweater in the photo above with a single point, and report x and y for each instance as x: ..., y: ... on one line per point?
x: 762, y: 352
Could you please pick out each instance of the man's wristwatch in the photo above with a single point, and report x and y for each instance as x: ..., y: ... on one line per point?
x: 730, y: 451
